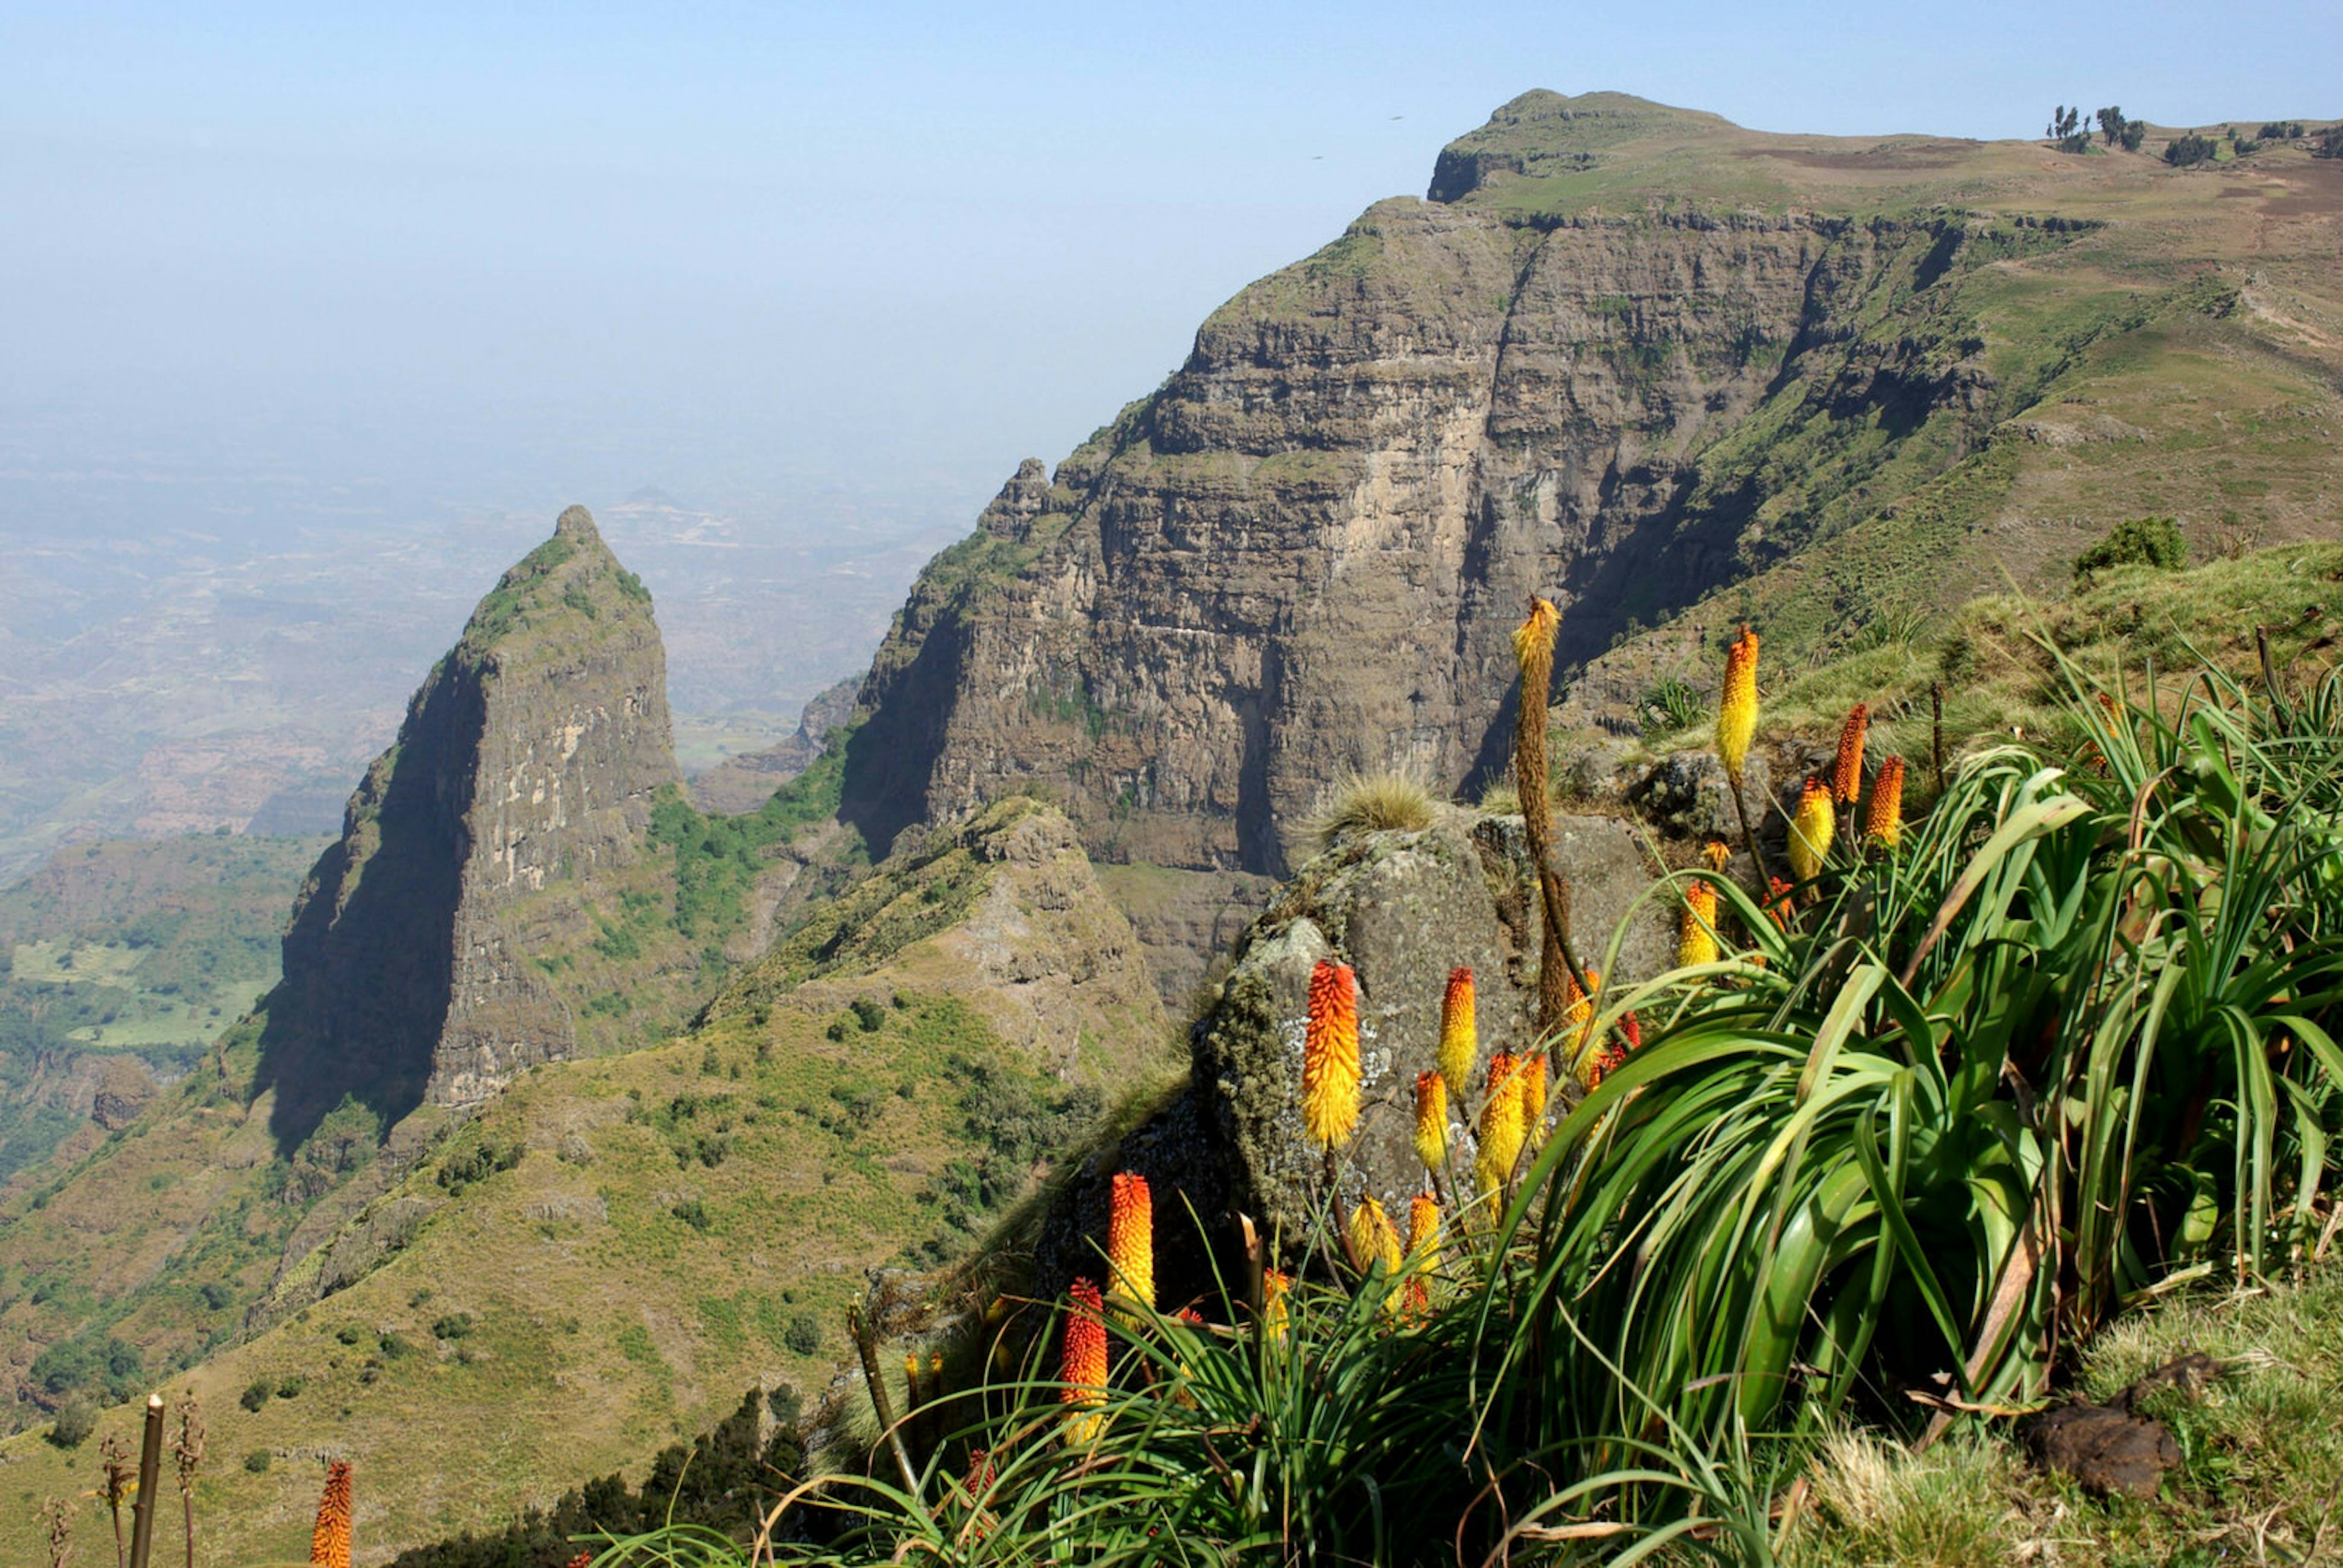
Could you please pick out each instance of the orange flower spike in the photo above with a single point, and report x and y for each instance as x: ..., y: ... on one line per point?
x: 1423, y: 1232
x: 1131, y: 1239
x: 1696, y: 926
x: 1533, y: 1087
x: 1423, y: 1255
x: 1778, y: 903
x: 1736, y: 708
x: 1432, y: 1120
x: 1811, y: 826
x: 1459, y: 1041
x: 1275, y: 1286
x: 330, y: 1541
x: 1633, y: 1030
x: 1846, y: 773
x: 1330, y: 1056
x: 1083, y: 1367
x: 1882, y: 824
x: 1501, y: 1071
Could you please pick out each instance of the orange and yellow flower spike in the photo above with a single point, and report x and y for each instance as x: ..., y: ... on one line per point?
x: 1696, y: 926
x: 1882, y: 824
x: 1131, y: 1240
x: 1534, y: 1086
x: 1580, y: 1019
x: 1274, y: 1286
x: 1846, y: 773
x: 1459, y: 1039
x: 1736, y: 709
x: 1432, y: 1120
x: 1423, y: 1231
x: 1503, y: 1127
x: 329, y: 1540
x: 1811, y: 826
x: 1330, y: 1056
x: 1083, y: 1367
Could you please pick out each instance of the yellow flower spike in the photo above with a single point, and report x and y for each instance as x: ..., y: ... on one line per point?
x: 1082, y: 1368
x: 1274, y: 1286
x: 1696, y: 926
x: 1736, y: 709
x: 329, y: 1539
x: 1811, y: 826
x: 1533, y: 1087
x: 1372, y: 1236
x: 1432, y: 1120
x: 1374, y: 1241
x: 1131, y: 1240
x: 1330, y: 1056
x: 1459, y: 1039
x: 1846, y: 773
x: 1503, y: 1127
x: 1715, y: 854
x: 1884, y: 823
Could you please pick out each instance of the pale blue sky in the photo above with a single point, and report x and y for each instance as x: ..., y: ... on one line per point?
x: 516, y: 255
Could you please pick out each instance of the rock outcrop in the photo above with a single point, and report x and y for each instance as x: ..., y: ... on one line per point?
x: 1002, y: 912
x: 1402, y: 908
x: 523, y: 777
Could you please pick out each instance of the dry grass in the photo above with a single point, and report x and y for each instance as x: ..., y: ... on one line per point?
x: 1368, y: 803
x: 1501, y: 800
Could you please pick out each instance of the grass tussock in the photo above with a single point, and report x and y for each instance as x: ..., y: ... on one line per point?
x: 1369, y: 803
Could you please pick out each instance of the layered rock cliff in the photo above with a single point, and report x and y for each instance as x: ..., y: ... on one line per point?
x: 520, y: 784
x: 1626, y: 355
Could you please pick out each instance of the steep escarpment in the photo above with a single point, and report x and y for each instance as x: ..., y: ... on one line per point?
x: 1629, y: 358
x: 523, y: 779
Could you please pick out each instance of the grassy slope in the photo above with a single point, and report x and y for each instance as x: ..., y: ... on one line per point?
x: 604, y: 1324
x: 607, y: 1322
x: 1999, y: 677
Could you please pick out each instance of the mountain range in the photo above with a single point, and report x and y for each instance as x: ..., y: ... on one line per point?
x: 583, y: 1104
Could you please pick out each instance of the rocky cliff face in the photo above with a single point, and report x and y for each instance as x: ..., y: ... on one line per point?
x: 522, y: 777
x: 1303, y: 555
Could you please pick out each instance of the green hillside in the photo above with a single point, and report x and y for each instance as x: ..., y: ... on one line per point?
x: 604, y: 1257
x: 143, y: 949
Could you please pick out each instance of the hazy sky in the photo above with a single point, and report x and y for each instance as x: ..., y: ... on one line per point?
x: 509, y: 254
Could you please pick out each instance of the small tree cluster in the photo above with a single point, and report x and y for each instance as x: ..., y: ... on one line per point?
x: 2066, y: 128
x: 2120, y: 130
x: 2191, y: 149
x: 2329, y: 143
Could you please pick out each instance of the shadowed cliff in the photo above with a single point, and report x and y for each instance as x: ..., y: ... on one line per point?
x: 522, y: 779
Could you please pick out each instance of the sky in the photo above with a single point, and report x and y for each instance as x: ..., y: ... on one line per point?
x: 761, y: 256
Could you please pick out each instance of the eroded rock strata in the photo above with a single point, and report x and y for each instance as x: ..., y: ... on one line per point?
x: 522, y: 777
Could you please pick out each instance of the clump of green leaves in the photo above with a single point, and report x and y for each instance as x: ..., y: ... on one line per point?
x: 2137, y: 541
